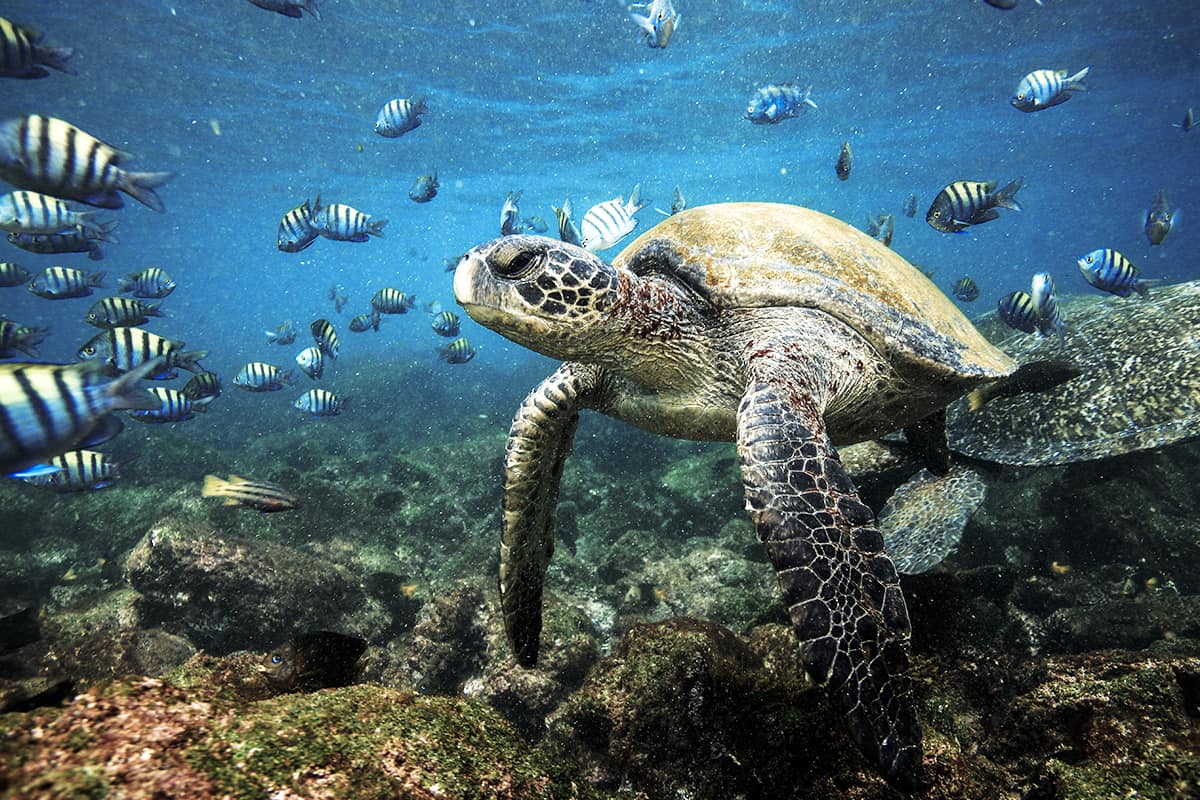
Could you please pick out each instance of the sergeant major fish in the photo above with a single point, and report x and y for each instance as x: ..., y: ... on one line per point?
x: 965, y: 289
x: 32, y: 212
x: 566, y: 225
x: 22, y: 54
x: 259, y: 376
x: 1110, y: 271
x: 1189, y: 121
x: 77, y: 471
x: 660, y: 22
x: 459, y: 351
x: 290, y: 8
x: 127, y: 349
x: 1043, y: 88
x: 15, y: 336
x: 446, y: 323
x: 325, y: 337
x: 202, y: 388
x: 605, y: 224
x: 60, y: 283
x: 285, y: 334
x: 345, y: 223
x: 678, y: 203
x: 844, y: 162
x: 910, y: 206
x: 74, y: 240
x: 392, y: 301
x: 173, y: 406
x: 296, y: 231
x: 965, y: 203
x: 399, y: 116
x: 1017, y: 311
x: 321, y: 403
x: 424, y: 188
x: 260, y: 495
x: 311, y: 362
x: 365, y: 322
x: 13, y: 274
x: 115, y: 312
x: 1160, y: 218
x: 774, y: 103
x: 50, y: 155
x: 510, y: 214
x: 1045, y: 303
x: 151, y: 283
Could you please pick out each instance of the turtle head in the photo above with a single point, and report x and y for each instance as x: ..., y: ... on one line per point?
x: 542, y: 293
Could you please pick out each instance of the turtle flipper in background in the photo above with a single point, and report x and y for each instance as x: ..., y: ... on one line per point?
x: 839, y: 586
x: 539, y: 442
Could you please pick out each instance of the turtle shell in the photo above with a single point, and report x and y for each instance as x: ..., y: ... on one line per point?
x: 755, y: 255
x: 1140, y: 386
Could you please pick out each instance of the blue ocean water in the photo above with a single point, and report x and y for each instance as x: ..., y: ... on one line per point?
x: 256, y: 112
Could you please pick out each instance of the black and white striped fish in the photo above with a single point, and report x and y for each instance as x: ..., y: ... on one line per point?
x: 296, y: 230
x: 78, y: 471
x: 173, y: 406
x: 678, y: 203
x: 202, y: 388
x: 60, y: 283
x: 965, y: 203
x: 311, y: 362
x: 68, y: 241
x: 1045, y: 303
x: 259, y: 495
x: 1110, y: 271
x: 446, y: 323
x: 290, y: 8
x: 424, y: 188
x: 1017, y: 311
x: 605, y: 224
x: 13, y: 274
x: 399, y: 116
x: 48, y: 409
x: 510, y: 214
x: 259, y: 376
x: 50, y: 155
x: 14, y: 336
x: 22, y: 54
x: 116, y: 312
x: 566, y: 224
x: 1043, y: 88
x: 126, y: 349
x: 345, y: 223
x: 392, y: 301
x: 459, y: 351
x: 285, y: 334
x: 365, y: 322
x: 32, y: 212
x: 325, y: 337
x: 321, y: 403
x: 152, y: 282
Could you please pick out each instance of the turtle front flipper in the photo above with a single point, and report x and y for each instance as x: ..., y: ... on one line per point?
x: 539, y: 442
x: 840, y: 588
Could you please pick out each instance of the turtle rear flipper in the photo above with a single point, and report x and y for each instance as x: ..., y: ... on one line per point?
x: 923, y: 522
x: 539, y: 442
x: 840, y: 588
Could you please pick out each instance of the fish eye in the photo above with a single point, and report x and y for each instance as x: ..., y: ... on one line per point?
x: 937, y: 214
x: 89, y: 350
x: 1089, y: 259
x: 275, y: 659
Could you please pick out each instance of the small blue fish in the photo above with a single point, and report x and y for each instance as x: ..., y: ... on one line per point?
x: 1110, y: 271
x: 1017, y: 311
x: 446, y: 324
x: 424, y: 188
x: 965, y: 289
x: 1045, y: 303
x: 460, y: 351
x: 1043, y: 88
x: 775, y: 103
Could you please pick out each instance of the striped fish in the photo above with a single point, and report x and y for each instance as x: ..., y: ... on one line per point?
x: 259, y: 495
x: 365, y: 322
x: 460, y: 351
x: 31, y: 212
x: 605, y: 224
x: 290, y: 8
x: 173, y: 406
x: 399, y: 116
x: 566, y: 225
x: 678, y: 203
x: 965, y: 289
x: 117, y: 312
x: 345, y: 223
x: 69, y: 241
x: 1045, y: 303
x: 285, y: 334
x: 22, y: 54
x: 772, y: 104
x: 202, y: 388
x: 392, y: 301
x: 1110, y: 271
x: 78, y: 471
x: 126, y: 349
x: 312, y: 362
x: 59, y: 283
x: 1017, y: 311
x: 1043, y: 88
x: 510, y: 214
x: 48, y: 409
x: 50, y: 155
x: 446, y: 323
x: 15, y: 336
x: 152, y: 282
x: 259, y: 376
x: 321, y: 403
x: 296, y: 230
x: 325, y: 337
x: 966, y: 203
x: 13, y: 274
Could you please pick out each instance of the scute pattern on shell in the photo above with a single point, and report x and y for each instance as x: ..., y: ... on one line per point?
x: 1140, y: 388
x: 755, y: 255
x: 923, y: 522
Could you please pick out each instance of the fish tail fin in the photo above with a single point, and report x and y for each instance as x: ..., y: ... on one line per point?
x: 31, y: 339
x: 107, y: 229
x: 125, y: 285
x: 154, y: 310
x: 200, y: 408
x: 806, y: 98
x: 643, y: 23
x: 1006, y: 197
x: 141, y: 185
x: 90, y: 226
x: 190, y: 360
x: 96, y: 278
x: 124, y: 392
x: 213, y: 486
x: 1075, y: 82
x: 311, y: 7
x: 55, y: 58
x: 285, y: 376
x: 375, y: 227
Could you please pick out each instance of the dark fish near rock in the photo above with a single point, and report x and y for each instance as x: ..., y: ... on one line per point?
x: 965, y: 289
x: 312, y: 661
x: 844, y: 162
x: 910, y: 206
x: 1160, y: 219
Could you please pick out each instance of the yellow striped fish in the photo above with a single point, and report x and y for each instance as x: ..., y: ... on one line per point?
x: 22, y: 54
x: 117, y: 312
x: 392, y: 301
x: 52, y: 156
x: 296, y: 231
x: 32, y: 212
x: 260, y: 495
x: 173, y: 406
x: 399, y: 116
x: 259, y: 376
x: 152, y: 282
x: 78, y: 471
x: 57, y: 283
x: 344, y: 223
x: 325, y: 337
x: 125, y: 349
x: 15, y: 336
x: 965, y: 203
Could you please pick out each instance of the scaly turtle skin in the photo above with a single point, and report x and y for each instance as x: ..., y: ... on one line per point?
x: 775, y: 326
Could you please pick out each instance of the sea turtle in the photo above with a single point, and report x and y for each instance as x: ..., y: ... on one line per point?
x: 776, y: 326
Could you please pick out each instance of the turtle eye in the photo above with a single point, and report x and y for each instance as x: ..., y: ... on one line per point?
x: 517, y: 262
x: 275, y: 659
